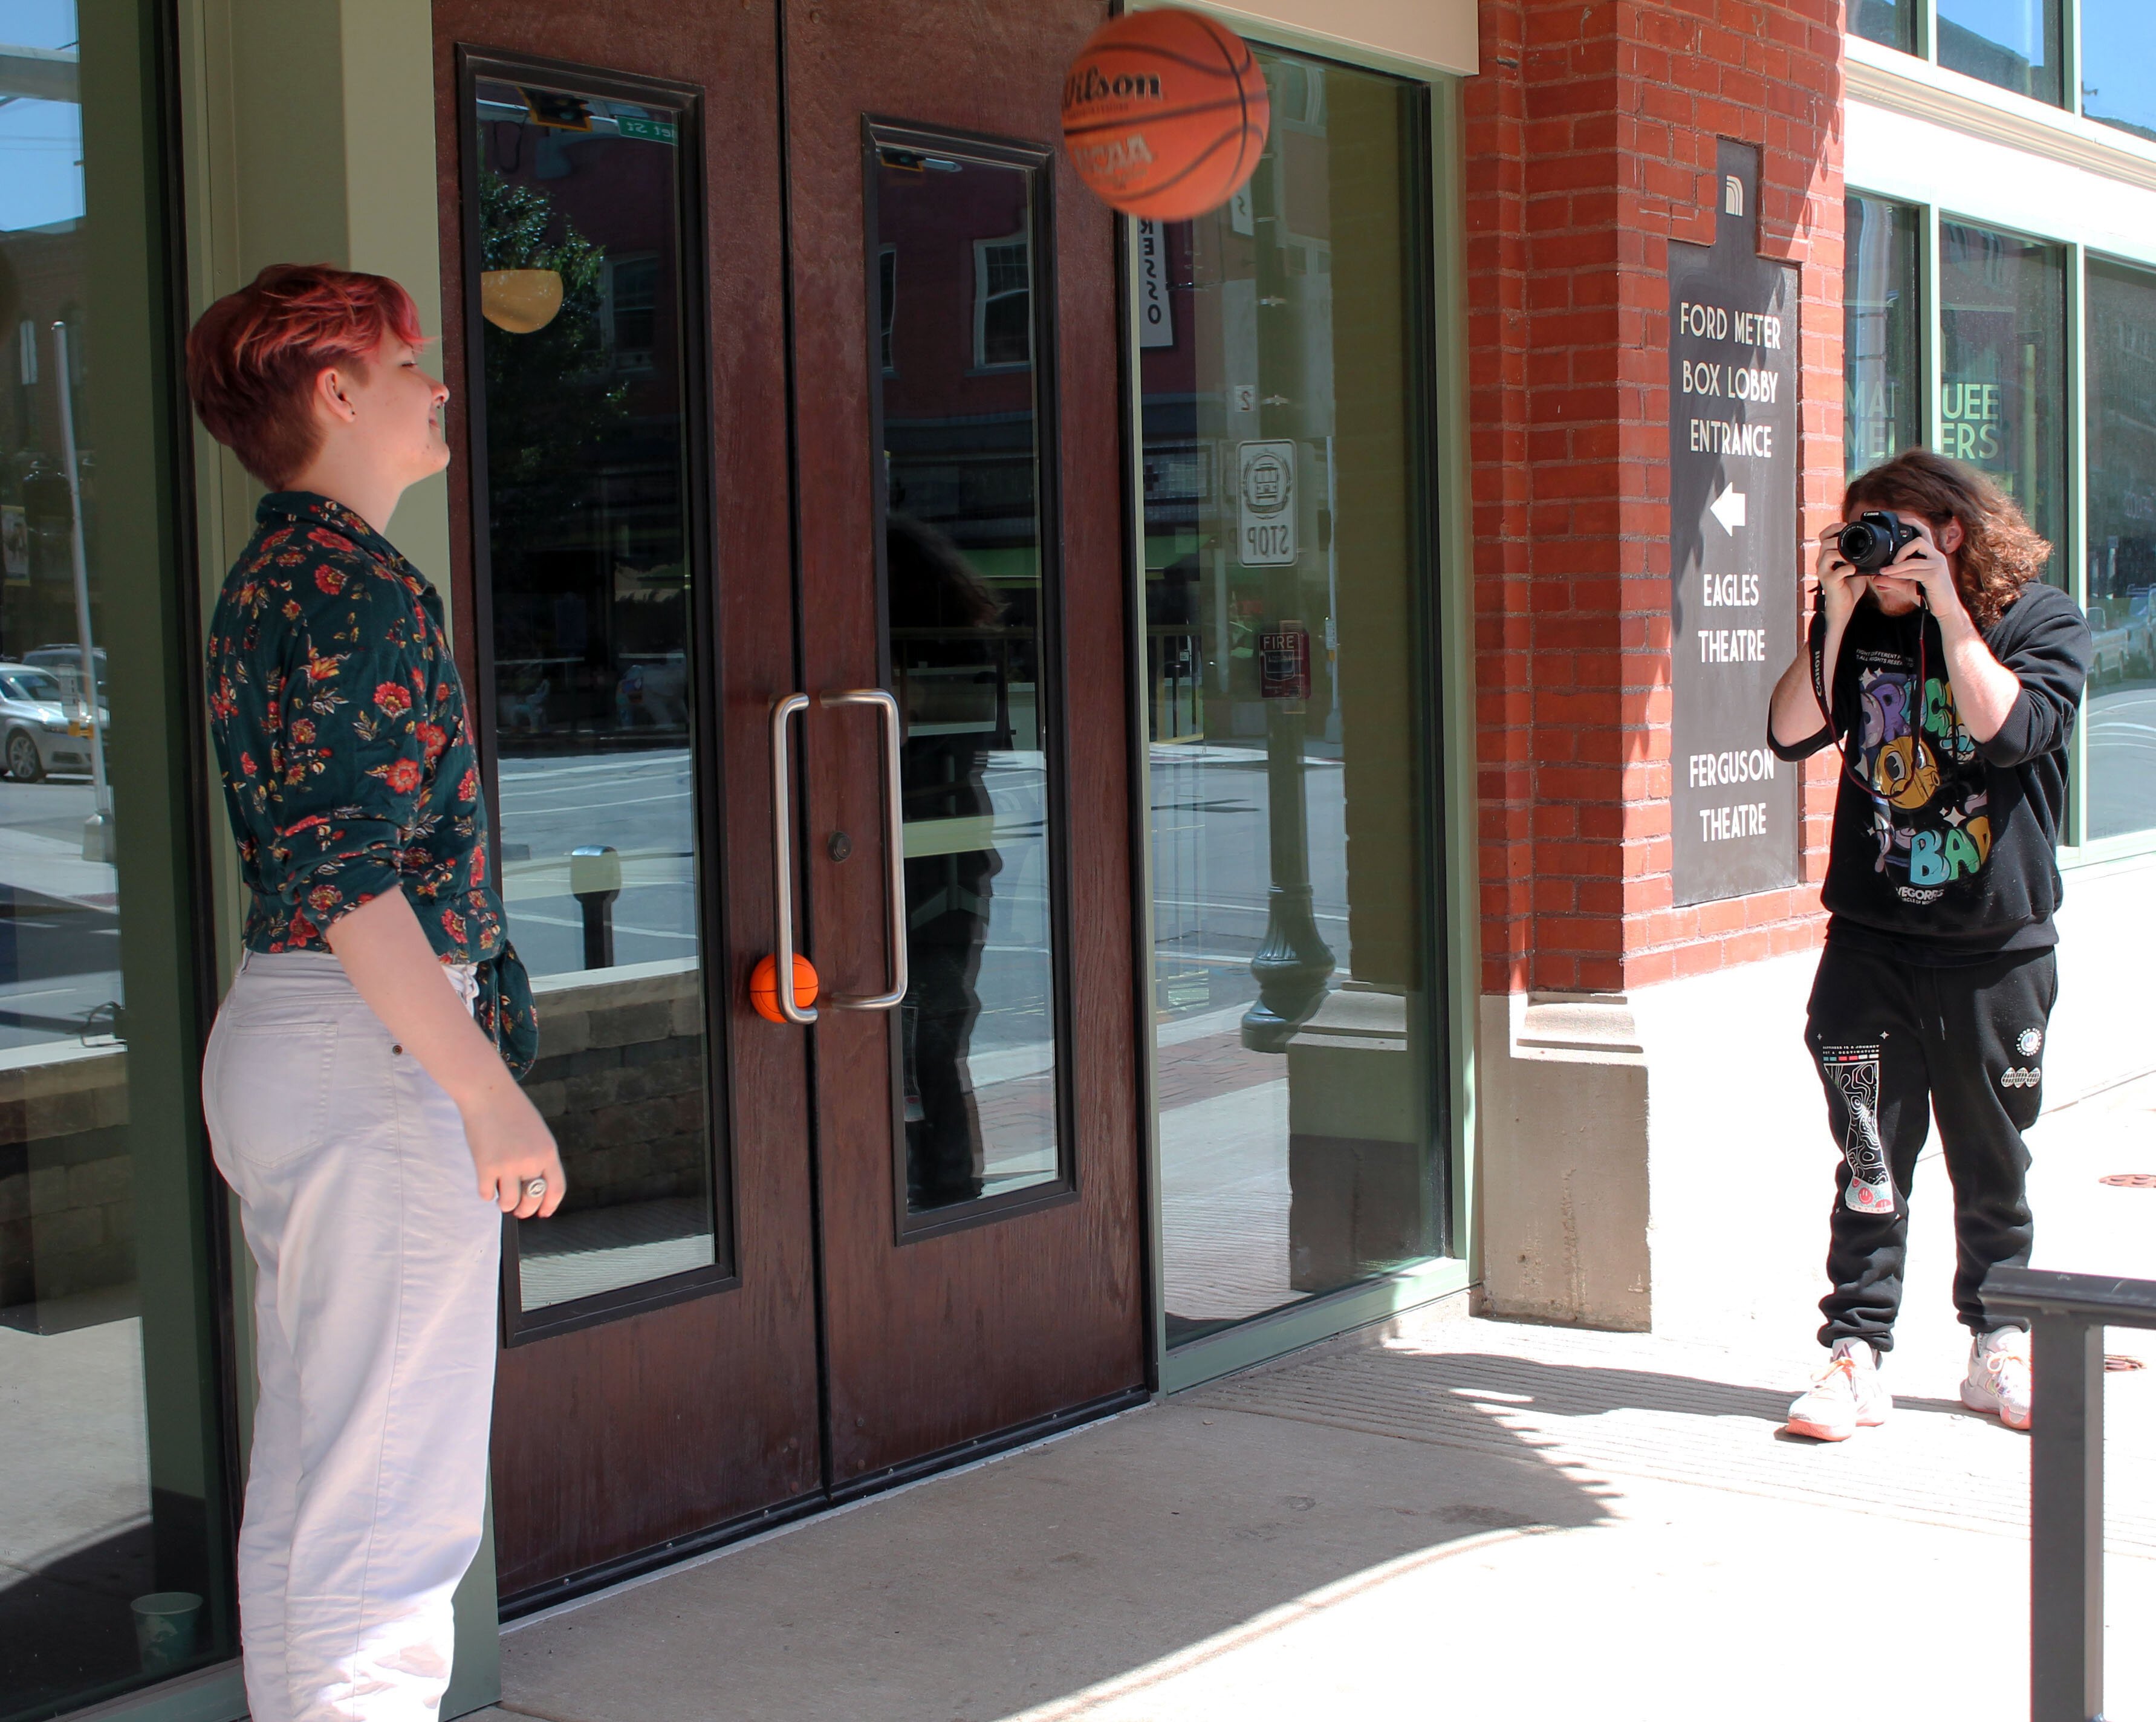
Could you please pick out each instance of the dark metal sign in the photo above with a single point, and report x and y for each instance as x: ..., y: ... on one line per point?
x: 1734, y: 343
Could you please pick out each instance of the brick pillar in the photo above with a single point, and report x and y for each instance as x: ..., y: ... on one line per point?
x: 1591, y: 137
x: 1590, y: 141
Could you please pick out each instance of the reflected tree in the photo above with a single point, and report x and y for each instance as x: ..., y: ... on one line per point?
x: 551, y: 399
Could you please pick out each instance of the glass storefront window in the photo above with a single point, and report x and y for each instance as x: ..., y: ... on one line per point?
x: 2118, y: 65
x: 116, y: 1522
x: 1295, y: 1001
x: 599, y: 666
x: 2120, y: 714
x: 2014, y: 43
x: 2002, y: 368
x: 1880, y: 350
x: 1891, y: 23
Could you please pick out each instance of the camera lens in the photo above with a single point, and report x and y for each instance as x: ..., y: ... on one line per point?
x: 1863, y: 545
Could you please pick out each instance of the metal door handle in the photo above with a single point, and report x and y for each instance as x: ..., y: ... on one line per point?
x: 782, y: 855
x: 894, y: 849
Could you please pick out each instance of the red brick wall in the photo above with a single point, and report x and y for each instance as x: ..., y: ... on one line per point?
x: 1590, y: 144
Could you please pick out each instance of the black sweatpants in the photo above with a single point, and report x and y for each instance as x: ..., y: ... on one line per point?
x: 1895, y: 1042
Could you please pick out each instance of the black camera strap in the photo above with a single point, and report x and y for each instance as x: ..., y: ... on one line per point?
x: 1818, y: 651
x: 1916, y: 697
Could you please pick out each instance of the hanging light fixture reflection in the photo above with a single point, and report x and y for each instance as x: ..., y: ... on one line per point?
x: 521, y: 300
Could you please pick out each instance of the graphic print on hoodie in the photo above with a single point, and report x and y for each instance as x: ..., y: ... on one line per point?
x: 1944, y: 847
x: 1931, y: 792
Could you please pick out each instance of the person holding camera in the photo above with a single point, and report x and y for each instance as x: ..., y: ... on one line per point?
x: 1948, y: 675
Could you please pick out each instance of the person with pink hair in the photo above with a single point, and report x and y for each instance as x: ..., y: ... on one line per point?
x: 361, y: 1083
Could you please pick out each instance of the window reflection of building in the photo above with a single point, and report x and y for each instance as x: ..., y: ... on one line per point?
x: 110, y: 1418
x: 1879, y: 349
x: 583, y: 417
x: 595, y: 661
x: 2002, y: 325
x: 2013, y: 44
x: 2118, y: 65
x: 1892, y: 22
x: 948, y: 666
x: 965, y: 574
x: 2120, y: 714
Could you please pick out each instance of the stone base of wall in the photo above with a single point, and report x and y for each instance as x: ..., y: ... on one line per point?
x: 621, y: 1081
x: 67, y: 1211
x: 1560, y: 1185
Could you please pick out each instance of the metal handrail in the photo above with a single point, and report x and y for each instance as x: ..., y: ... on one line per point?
x: 2068, y: 1313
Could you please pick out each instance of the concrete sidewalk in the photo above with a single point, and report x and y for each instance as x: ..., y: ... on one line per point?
x: 1483, y: 1518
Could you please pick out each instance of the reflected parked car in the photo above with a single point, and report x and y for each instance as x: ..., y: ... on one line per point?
x: 2107, y: 663
x: 41, y: 729
x: 65, y: 661
x: 2141, y: 632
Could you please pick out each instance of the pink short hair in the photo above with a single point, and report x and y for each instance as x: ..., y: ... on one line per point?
x: 254, y: 355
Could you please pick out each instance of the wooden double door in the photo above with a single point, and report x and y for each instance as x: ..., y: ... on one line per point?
x: 786, y: 351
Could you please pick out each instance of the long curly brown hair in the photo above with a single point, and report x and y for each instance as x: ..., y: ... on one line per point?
x: 2000, y: 552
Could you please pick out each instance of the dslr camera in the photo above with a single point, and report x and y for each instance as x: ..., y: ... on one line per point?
x: 1873, y: 539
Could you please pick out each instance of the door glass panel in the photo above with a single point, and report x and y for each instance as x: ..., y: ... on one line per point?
x: 597, y: 667
x: 2002, y: 368
x: 968, y: 598
x: 1294, y: 995
x: 114, y: 1515
x: 2121, y: 711
x: 1879, y: 332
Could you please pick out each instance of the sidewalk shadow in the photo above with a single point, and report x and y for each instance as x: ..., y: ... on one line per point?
x: 990, y: 1594
x: 985, y: 1595
x: 1589, y: 1389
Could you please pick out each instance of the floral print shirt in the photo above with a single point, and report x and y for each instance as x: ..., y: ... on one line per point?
x: 348, y: 766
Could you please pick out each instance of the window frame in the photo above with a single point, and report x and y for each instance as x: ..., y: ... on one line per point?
x: 519, y: 1326
x: 983, y: 296
x: 609, y: 309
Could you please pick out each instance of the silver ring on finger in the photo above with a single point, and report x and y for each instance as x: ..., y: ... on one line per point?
x: 533, y: 1188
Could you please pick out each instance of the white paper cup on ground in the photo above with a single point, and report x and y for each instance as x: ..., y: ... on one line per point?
x: 165, y: 1626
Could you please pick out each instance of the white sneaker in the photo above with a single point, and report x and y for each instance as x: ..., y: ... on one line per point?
x: 1998, y: 1378
x: 1847, y: 1396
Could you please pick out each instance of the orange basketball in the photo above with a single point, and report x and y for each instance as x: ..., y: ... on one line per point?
x: 1164, y: 114
x: 763, y: 987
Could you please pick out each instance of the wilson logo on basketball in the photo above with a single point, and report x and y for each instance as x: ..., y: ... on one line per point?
x: 1089, y: 84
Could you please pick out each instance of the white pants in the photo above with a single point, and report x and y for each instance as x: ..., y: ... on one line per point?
x: 376, y: 1263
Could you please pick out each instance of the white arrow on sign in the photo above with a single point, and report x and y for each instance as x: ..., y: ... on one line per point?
x: 1729, y: 508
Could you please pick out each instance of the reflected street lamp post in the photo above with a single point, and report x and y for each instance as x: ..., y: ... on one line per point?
x: 97, y: 828
x: 595, y: 882
x: 1292, y: 965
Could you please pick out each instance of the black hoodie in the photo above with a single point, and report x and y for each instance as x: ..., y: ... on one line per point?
x: 1944, y: 846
